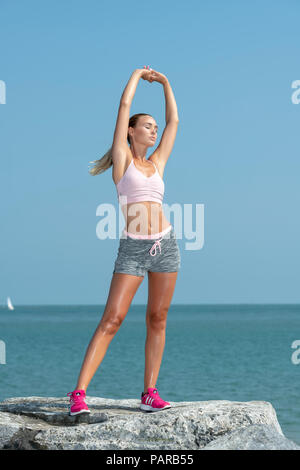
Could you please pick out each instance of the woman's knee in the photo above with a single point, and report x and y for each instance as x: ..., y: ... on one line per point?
x: 157, y: 318
x: 111, y: 322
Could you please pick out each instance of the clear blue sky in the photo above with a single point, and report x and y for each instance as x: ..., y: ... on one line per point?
x: 231, y: 65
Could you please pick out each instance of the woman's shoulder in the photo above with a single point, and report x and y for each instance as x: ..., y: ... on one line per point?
x: 121, y: 164
x: 157, y: 162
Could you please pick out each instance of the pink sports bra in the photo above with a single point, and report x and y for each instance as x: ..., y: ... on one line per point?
x: 138, y: 187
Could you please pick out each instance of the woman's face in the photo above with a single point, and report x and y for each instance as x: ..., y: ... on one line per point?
x: 145, y: 131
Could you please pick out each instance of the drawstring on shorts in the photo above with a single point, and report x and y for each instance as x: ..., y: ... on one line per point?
x: 153, y: 248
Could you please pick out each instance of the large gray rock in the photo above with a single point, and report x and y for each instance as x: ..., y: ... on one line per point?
x: 44, y: 423
x: 253, y: 437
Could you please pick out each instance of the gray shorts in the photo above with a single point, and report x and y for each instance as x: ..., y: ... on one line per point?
x: 137, y: 256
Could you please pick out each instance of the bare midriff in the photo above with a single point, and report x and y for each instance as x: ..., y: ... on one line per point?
x: 144, y: 218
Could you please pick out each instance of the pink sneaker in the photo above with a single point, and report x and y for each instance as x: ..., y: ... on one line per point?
x: 77, y: 402
x: 151, y: 401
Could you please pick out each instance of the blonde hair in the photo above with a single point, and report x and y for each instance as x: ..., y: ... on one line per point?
x: 106, y: 161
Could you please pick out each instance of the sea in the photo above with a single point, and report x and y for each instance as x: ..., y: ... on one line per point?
x: 234, y: 352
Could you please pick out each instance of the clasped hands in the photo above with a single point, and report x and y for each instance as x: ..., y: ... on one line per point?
x: 152, y: 75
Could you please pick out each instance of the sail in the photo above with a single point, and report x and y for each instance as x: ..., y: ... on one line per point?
x: 9, y: 304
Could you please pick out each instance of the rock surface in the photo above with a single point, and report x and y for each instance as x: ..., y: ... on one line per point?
x: 253, y: 437
x: 44, y: 423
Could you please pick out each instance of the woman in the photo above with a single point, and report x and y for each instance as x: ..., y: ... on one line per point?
x: 149, y: 243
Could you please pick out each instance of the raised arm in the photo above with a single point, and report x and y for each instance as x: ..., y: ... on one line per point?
x: 119, y: 145
x: 167, y: 140
x: 171, y: 106
x: 130, y: 88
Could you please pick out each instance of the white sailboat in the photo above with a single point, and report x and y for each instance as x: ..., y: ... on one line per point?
x: 9, y: 304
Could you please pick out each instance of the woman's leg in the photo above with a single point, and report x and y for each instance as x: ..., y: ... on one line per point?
x: 122, y: 290
x: 160, y: 293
